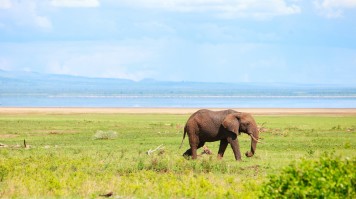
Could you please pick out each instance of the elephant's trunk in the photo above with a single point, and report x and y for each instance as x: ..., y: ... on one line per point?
x: 254, y: 139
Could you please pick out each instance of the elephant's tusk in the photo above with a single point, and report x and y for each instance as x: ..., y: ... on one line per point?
x: 255, y: 139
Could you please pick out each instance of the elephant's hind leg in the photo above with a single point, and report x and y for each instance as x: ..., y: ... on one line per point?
x: 193, y: 151
x: 194, y: 141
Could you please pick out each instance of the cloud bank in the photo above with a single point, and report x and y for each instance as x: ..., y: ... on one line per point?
x: 222, y: 8
x: 75, y: 3
x: 334, y: 8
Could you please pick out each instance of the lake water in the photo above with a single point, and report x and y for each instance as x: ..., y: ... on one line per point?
x: 178, y: 100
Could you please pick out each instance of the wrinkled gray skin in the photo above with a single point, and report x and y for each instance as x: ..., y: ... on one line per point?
x: 210, y: 126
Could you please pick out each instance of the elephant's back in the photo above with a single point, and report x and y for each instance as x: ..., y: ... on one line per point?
x: 205, y: 118
x: 212, y: 114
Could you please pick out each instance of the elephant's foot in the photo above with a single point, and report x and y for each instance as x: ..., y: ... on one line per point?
x: 188, y: 154
x: 249, y: 154
x: 238, y: 157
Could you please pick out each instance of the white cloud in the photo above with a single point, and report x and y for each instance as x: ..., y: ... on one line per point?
x: 75, y: 3
x: 334, y: 8
x: 42, y: 22
x: 223, y: 8
x: 5, y: 4
x: 24, y: 14
x: 339, y: 3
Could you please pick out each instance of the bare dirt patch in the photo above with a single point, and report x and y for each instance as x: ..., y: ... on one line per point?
x: 8, y: 136
x: 59, y: 132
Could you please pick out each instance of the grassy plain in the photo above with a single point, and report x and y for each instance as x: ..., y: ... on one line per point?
x: 65, y: 160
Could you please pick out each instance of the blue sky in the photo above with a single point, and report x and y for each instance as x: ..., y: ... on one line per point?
x: 294, y: 41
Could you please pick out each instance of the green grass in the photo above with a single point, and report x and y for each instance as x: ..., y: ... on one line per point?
x: 65, y: 159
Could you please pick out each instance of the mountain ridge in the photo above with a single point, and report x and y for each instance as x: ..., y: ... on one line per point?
x: 24, y: 75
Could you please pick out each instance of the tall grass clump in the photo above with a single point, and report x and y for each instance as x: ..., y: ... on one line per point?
x: 328, y: 177
x: 105, y: 135
x: 3, y: 172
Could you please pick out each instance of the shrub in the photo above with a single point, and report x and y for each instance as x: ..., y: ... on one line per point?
x: 328, y: 177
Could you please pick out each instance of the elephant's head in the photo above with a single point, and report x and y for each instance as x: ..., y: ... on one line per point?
x: 243, y: 122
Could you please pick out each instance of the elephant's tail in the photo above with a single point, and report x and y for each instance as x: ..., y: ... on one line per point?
x: 185, y: 132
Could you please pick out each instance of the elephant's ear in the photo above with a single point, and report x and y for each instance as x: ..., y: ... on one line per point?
x: 231, y: 123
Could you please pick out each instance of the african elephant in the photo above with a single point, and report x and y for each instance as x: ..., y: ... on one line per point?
x: 209, y: 126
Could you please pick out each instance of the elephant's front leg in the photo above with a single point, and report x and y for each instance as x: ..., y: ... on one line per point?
x: 235, y: 147
x: 222, y: 148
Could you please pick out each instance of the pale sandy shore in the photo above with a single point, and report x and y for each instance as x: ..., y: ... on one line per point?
x: 254, y: 111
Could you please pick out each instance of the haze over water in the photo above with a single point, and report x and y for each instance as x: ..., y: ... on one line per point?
x: 44, y: 90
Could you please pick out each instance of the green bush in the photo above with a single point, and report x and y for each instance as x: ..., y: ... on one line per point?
x: 328, y: 177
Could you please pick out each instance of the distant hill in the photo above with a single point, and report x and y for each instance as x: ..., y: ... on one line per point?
x: 30, y: 82
x: 39, y: 83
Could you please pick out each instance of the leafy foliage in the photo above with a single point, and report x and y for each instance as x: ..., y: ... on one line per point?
x: 328, y: 177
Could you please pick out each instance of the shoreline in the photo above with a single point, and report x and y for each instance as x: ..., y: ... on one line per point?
x: 107, y: 110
